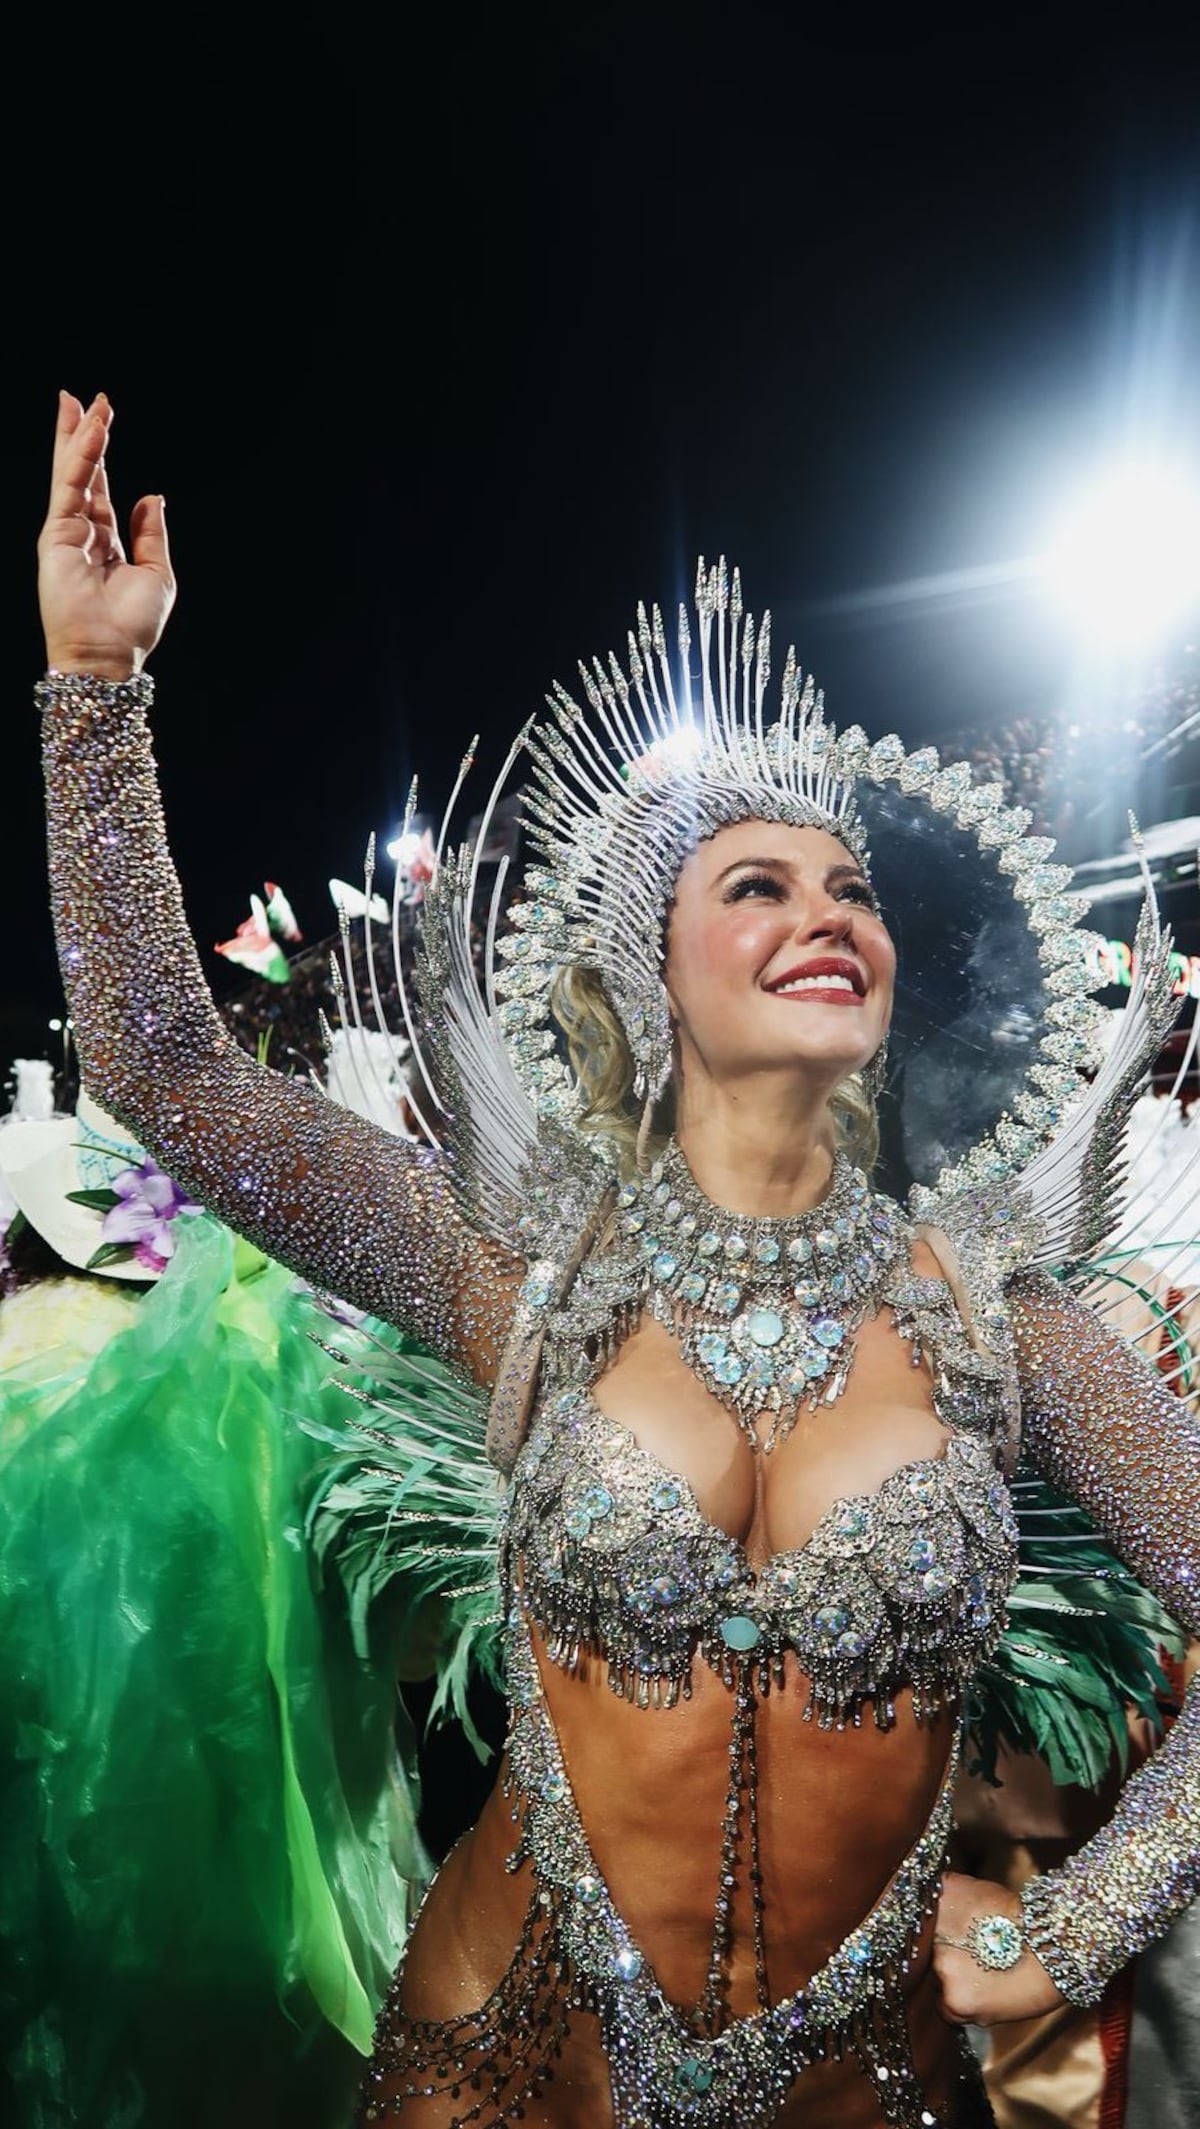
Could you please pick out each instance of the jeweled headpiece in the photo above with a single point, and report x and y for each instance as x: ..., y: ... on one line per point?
x: 616, y: 806
x: 624, y: 790
x: 621, y: 792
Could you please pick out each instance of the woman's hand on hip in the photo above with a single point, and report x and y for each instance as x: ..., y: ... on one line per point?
x: 973, y: 1993
x: 101, y: 611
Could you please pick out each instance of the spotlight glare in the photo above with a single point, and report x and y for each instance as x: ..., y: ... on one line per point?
x: 1126, y: 561
x: 667, y: 755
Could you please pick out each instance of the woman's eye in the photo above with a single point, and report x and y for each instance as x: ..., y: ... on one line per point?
x: 858, y: 891
x: 754, y: 883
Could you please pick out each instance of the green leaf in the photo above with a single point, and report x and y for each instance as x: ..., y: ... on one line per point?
x: 95, y: 1200
x: 108, y: 1253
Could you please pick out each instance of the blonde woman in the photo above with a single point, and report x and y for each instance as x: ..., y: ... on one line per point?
x: 755, y: 1425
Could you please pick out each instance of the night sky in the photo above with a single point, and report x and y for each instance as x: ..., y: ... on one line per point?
x: 448, y: 336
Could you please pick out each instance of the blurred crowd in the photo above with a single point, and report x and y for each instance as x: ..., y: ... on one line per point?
x: 282, y: 1023
x: 1079, y: 774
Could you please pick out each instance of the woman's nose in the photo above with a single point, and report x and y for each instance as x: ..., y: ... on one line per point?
x: 826, y: 919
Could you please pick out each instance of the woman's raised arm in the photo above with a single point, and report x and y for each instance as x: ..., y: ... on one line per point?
x: 364, y: 1215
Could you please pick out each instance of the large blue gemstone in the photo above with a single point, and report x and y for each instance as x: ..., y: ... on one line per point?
x: 765, y: 1326
x: 739, y: 1632
x: 693, y: 2075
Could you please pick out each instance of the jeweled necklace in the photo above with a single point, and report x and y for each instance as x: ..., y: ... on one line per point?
x: 765, y: 1310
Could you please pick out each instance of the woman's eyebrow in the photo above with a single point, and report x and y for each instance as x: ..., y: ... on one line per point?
x: 772, y: 864
x: 763, y: 865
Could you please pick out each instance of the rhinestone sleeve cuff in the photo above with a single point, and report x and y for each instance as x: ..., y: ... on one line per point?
x: 1128, y: 1884
x: 61, y: 694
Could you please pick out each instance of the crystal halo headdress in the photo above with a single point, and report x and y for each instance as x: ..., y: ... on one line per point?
x: 619, y: 800
x: 622, y: 788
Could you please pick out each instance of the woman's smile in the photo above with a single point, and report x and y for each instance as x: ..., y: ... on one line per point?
x: 826, y: 979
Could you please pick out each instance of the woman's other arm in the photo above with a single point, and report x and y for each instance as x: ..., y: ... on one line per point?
x: 1101, y: 1423
x: 351, y: 1208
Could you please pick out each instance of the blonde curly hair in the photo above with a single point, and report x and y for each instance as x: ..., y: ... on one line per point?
x: 602, y: 1063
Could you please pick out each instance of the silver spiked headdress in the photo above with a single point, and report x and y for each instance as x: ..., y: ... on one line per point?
x: 621, y: 791
x: 618, y: 801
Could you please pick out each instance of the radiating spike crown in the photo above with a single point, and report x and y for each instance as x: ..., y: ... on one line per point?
x: 617, y: 809
x: 619, y: 794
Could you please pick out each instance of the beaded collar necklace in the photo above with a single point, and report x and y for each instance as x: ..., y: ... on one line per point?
x: 765, y: 1309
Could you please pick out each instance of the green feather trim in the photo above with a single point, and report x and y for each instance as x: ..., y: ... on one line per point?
x: 1081, y: 1649
x: 409, y: 1510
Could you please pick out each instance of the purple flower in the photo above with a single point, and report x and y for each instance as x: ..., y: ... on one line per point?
x: 141, y: 1221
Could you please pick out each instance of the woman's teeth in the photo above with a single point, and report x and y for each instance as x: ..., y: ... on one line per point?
x: 814, y: 983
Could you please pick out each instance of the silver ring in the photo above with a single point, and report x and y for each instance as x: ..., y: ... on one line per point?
x: 995, y: 1942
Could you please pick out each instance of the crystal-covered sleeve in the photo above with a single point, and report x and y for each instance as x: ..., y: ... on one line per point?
x: 361, y: 1214
x: 1103, y: 1425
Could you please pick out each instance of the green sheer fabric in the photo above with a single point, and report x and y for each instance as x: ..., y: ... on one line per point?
x: 208, y: 1839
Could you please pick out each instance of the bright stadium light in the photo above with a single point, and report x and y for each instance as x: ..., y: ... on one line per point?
x: 1125, y: 561
x: 677, y: 746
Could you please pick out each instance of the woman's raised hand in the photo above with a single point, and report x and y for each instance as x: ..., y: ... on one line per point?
x: 101, y: 613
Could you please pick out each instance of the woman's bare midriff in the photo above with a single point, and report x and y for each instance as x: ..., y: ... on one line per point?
x: 839, y: 1811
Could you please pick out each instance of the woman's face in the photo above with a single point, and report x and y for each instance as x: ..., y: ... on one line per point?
x: 777, y: 956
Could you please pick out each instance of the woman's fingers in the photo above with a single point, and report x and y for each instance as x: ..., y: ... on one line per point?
x: 79, y: 453
x: 72, y: 417
x: 955, y: 1984
x: 104, y: 517
x: 98, y: 613
x: 149, y: 546
x: 70, y: 414
x: 81, y: 513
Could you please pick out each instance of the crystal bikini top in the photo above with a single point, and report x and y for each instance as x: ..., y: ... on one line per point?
x: 902, y: 1586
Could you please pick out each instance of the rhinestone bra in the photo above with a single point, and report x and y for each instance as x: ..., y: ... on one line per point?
x: 902, y: 1586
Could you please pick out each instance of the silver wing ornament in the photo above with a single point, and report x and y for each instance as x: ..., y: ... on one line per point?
x: 413, y: 1500
x: 1063, y: 1209
x: 496, y: 1100
x: 1085, y: 1639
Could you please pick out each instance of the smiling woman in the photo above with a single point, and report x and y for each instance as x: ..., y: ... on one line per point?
x: 777, y: 960
x: 756, y: 1422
